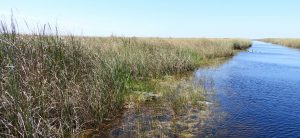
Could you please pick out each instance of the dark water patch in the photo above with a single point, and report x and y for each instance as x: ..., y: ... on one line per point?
x: 259, y: 91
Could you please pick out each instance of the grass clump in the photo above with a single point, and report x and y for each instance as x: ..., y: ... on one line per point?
x: 52, y: 86
x: 57, y: 86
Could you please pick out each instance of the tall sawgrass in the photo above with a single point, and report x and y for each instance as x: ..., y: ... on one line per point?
x: 294, y: 43
x: 56, y: 86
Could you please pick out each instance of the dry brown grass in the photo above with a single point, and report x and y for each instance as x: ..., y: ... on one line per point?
x: 294, y: 43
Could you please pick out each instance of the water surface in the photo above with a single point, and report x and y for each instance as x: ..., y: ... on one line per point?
x: 258, y: 93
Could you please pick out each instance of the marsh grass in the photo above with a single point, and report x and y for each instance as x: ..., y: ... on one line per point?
x: 294, y: 43
x: 58, y: 86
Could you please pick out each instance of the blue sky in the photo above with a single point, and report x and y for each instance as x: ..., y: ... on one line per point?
x: 161, y: 18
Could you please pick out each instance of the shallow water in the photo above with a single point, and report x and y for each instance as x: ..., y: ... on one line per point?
x: 258, y: 93
x: 161, y: 117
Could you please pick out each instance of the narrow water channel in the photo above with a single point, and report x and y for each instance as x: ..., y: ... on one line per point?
x: 258, y: 93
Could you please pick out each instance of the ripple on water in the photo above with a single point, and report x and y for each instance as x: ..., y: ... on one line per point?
x: 259, y: 92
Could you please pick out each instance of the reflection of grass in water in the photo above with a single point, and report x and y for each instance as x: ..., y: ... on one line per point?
x: 176, y: 109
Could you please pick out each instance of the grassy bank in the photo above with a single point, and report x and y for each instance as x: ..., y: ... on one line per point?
x: 54, y: 85
x: 294, y: 43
